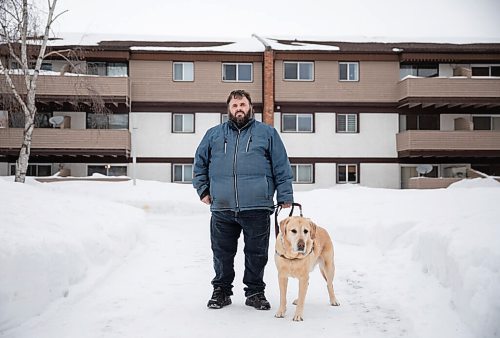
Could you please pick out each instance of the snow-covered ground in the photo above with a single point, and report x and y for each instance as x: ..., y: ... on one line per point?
x: 109, y: 259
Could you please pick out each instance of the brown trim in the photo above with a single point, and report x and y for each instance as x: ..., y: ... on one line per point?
x: 416, y: 153
x: 337, y: 107
x: 351, y: 160
x: 183, y: 107
x: 196, y: 56
x: 171, y: 160
x: 334, y: 56
x: 450, y: 57
x: 51, y: 158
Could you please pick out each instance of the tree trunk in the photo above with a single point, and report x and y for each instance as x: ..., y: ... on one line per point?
x: 24, y: 153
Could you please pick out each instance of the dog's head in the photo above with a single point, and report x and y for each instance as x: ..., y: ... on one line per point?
x: 298, y: 234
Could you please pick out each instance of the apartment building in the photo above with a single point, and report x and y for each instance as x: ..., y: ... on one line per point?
x: 364, y: 113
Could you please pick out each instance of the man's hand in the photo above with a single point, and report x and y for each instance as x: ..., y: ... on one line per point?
x: 207, y: 200
x: 286, y: 205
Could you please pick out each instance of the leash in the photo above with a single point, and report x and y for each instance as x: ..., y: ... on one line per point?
x: 277, y: 211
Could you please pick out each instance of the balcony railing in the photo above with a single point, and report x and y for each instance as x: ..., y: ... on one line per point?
x: 456, y: 87
x: 109, y: 142
x: 422, y: 141
x: 75, y: 86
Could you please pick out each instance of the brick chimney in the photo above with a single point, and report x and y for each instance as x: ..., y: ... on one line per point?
x: 268, y: 87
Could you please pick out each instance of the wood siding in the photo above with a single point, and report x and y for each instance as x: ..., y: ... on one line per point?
x: 377, y: 83
x: 447, y: 140
x: 63, y: 139
x: 152, y: 82
x: 449, y: 87
x: 74, y: 85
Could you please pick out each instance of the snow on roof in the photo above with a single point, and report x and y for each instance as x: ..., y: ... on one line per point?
x: 240, y: 45
x: 296, y: 45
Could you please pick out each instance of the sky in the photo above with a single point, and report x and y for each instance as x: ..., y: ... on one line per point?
x: 114, y: 260
x: 475, y: 20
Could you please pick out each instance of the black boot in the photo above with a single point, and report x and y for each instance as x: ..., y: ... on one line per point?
x: 219, y: 299
x: 258, y: 301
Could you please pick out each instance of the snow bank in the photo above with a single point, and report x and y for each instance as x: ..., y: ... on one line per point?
x: 52, y: 241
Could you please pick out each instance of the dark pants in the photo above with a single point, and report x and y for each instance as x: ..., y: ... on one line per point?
x: 225, y: 229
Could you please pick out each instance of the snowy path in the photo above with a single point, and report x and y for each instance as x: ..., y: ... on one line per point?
x: 146, y: 296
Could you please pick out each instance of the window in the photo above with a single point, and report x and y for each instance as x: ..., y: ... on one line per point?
x: 486, y: 122
x: 421, y: 122
x: 347, y: 173
x: 46, y: 66
x: 485, y: 70
x: 117, y: 69
x: 34, y: 170
x: 224, y: 118
x: 422, y: 70
x: 183, y: 123
x: 107, y: 121
x: 96, y: 68
x: 183, y: 71
x: 347, y: 123
x: 348, y: 71
x: 107, y: 170
x: 302, y: 173
x: 300, y: 71
x: 182, y: 173
x: 237, y: 72
x: 297, y: 123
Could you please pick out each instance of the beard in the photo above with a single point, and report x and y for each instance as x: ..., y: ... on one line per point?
x: 241, y: 121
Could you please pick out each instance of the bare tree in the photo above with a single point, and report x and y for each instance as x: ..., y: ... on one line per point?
x: 20, y: 33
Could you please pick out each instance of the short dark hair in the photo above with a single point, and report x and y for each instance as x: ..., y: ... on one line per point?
x: 239, y: 93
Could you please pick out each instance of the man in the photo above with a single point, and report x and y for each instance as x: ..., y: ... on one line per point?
x: 238, y: 167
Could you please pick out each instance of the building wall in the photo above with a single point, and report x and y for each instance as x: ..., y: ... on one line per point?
x: 377, y: 137
x: 380, y: 175
x: 152, y: 82
x: 152, y: 171
x: 377, y: 83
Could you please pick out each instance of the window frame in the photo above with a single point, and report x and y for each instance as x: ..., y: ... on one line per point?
x: 348, y: 72
x: 183, y: 63
x: 298, y: 71
x: 237, y: 64
x: 347, y: 165
x: 295, y: 179
x: 337, y: 129
x: 484, y: 65
x: 297, y: 123
x: 183, y: 166
x: 183, y: 131
x: 33, y: 169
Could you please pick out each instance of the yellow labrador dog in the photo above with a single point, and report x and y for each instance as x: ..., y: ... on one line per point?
x: 301, y: 245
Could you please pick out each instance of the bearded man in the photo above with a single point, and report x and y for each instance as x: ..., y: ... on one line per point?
x: 238, y: 167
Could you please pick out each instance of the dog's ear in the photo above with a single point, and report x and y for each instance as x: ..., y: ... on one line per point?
x: 283, y: 224
x: 313, y: 229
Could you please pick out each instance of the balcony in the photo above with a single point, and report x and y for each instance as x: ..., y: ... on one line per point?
x: 76, y: 88
x: 68, y: 142
x: 452, y: 92
x: 427, y: 143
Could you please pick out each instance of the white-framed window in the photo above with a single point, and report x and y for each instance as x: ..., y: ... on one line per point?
x: 183, y: 71
x: 107, y: 170
x: 183, y: 123
x: 298, y: 71
x: 237, y: 72
x: 224, y: 117
x: 347, y: 173
x: 349, y: 71
x: 182, y: 173
x: 485, y: 70
x: 297, y: 123
x: 347, y: 123
x: 302, y: 173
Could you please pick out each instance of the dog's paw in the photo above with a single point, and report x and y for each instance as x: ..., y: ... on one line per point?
x: 295, y: 302
x: 334, y: 302
x: 297, y: 318
x: 280, y: 314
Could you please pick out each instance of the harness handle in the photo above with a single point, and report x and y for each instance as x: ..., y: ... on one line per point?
x: 278, y: 209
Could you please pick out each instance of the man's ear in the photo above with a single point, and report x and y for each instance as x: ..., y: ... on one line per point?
x: 283, y: 224
x: 313, y: 229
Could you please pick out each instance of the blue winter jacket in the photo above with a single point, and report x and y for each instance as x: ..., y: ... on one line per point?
x: 241, y: 169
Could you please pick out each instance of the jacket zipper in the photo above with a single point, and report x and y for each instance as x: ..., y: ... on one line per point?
x: 225, y: 145
x: 234, y: 171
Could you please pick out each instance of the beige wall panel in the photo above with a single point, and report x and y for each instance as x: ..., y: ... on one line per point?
x: 378, y: 83
x: 152, y: 81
